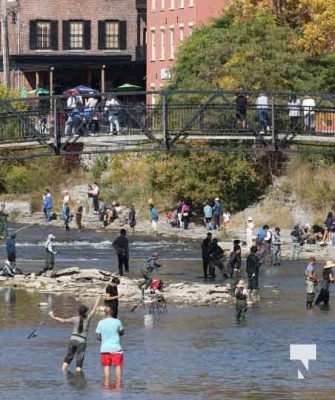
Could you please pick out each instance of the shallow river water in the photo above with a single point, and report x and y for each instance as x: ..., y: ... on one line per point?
x: 187, y: 353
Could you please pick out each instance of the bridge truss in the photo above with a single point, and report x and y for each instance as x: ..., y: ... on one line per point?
x: 163, y: 121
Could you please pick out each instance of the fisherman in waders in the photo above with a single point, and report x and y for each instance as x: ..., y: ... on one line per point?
x: 205, y: 250
x: 50, y: 253
x: 234, y: 265
x: 241, y: 294
x: 311, y: 282
x: 252, y: 269
x: 327, y: 279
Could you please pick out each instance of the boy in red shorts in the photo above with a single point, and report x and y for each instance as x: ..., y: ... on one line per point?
x: 108, y: 332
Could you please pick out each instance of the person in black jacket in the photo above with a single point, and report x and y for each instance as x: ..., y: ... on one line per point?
x: 205, y: 249
x: 252, y: 269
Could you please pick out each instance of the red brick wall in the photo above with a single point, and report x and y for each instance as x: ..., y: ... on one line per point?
x: 190, y: 15
x: 93, y: 10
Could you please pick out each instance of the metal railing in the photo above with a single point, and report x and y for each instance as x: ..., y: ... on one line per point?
x: 174, y: 114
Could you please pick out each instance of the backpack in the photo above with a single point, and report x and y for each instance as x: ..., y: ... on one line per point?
x: 156, y: 284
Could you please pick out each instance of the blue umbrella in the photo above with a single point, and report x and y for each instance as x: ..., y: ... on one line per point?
x: 81, y: 89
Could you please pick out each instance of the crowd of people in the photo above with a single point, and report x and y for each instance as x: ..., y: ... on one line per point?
x: 301, y: 113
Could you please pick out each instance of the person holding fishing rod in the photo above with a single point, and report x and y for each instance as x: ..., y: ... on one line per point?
x: 50, y: 254
x: 77, y: 342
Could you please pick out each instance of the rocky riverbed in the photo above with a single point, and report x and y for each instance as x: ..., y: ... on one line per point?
x: 89, y: 283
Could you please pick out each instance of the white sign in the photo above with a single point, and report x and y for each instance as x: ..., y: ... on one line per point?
x: 303, y: 352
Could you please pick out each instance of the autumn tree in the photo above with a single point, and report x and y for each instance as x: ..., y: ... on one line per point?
x: 244, y: 48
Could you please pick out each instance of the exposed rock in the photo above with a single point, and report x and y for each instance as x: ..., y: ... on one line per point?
x: 89, y: 283
x: 66, y: 271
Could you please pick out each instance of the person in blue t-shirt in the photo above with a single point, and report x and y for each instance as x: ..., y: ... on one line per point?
x: 108, y: 332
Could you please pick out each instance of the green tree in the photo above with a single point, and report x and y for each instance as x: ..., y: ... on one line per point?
x: 246, y: 49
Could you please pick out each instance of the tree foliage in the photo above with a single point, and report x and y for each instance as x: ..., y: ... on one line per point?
x: 199, y: 176
x: 245, y: 48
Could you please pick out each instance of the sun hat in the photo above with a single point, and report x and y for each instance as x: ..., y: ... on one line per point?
x: 329, y: 264
x: 217, y: 199
x: 155, y: 255
x: 241, y: 283
x: 51, y: 236
x: 250, y: 219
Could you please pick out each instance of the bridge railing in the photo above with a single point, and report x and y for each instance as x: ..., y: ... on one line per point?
x: 193, y: 113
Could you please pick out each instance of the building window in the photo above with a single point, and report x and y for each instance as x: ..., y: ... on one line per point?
x: 171, y: 43
x: 153, y: 44
x: 162, y: 44
x: 162, y: 4
x: 190, y: 29
x: 76, y: 35
x: 181, y: 33
x: 153, y: 5
x: 43, y: 35
x: 182, y: 4
x: 172, y: 4
x: 112, y: 35
x: 191, y: 3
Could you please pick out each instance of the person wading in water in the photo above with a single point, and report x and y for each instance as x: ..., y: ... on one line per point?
x: 77, y: 343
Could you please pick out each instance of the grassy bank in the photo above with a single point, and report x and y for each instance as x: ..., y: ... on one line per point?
x: 306, y: 184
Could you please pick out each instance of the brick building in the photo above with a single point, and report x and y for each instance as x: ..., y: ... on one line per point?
x: 169, y: 22
x: 59, y: 44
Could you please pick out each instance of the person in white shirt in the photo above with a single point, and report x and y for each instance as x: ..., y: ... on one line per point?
x: 262, y: 107
x: 113, y: 107
x: 249, y: 228
x: 226, y: 219
x: 308, y: 106
x: 294, y: 111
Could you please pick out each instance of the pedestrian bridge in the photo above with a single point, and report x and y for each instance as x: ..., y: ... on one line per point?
x: 166, y: 120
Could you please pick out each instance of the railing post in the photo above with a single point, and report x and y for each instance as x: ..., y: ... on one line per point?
x: 57, y: 136
x: 165, y: 118
x: 273, y: 120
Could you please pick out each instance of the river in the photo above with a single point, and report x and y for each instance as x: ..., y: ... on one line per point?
x: 187, y: 353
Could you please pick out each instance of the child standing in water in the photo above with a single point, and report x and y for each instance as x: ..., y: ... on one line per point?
x: 77, y: 343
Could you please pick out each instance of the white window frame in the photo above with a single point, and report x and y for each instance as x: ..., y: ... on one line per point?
x: 191, y: 3
x: 162, y: 5
x: 153, y: 5
x: 182, y: 4
x: 181, y: 33
x: 153, y: 44
x: 172, y: 4
x: 172, y: 42
x: 191, y: 28
x: 162, y: 40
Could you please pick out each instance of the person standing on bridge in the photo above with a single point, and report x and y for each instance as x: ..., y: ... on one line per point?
x: 113, y: 107
x: 262, y: 106
x: 308, y: 106
x: 294, y: 110
x: 241, y: 109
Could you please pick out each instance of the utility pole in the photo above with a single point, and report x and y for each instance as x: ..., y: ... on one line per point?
x: 5, y: 44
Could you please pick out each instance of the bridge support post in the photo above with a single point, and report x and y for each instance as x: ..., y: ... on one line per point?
x: 165, y: 118
x: 57, y: 136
